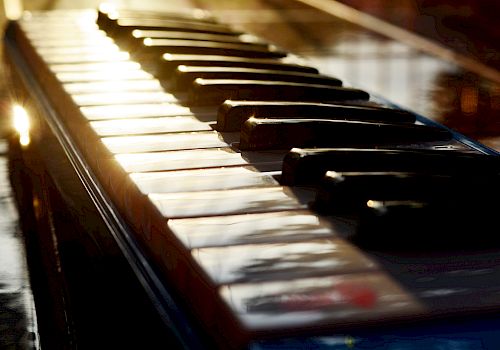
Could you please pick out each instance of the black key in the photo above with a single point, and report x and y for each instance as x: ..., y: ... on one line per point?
x: 232, y: 114
x: 216, y: 91
x: 170, y: 62
x: 185, y: 75
x: 307, y: 166
x: 161, y: 46
x: 258, y: 134
x: 123, y: 28
x: 350, y: 191
x: 445, y: 224
x: 107, y: 18
x: 138, y: 36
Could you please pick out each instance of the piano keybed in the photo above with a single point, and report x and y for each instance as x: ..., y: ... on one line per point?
x: 188, y: 126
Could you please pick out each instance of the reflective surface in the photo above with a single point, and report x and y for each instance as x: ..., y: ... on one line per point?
x: 337, y: 48
x: 310, y: 301
x: 468, y: 27
x: 239, y: 201
x: 271, y: 262
x: 438, y: 89
x: 204, y: 180
x: 18, y: 327
x: 434, y: 87
x: 287, y: 226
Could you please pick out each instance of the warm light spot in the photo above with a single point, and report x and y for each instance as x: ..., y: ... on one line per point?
x: 13, y: 9
x: 136, y: 33
x: 24, y: 139
x: 469, y: 99
x: 373, y: 204
x: 199, y: 14
x: 248, y: 38
x: 148, y: 41
x: 182, y: 68
x: 37, y: 207
x: 167, y: 56
x: 21, y: 120
x: 113, y: 15
x: 107, y: 7
x: 21, y: 124
x: 334, y: 175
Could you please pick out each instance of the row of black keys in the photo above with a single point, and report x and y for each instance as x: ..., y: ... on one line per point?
x: 227, y: 75
x: 402, y: 197
x: 209, y: 61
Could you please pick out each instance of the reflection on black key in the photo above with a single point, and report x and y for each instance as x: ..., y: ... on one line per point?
x: 199, y: 47
x: 259, y: 134
x: 170, y: 62
x: 124, y: 27
x: 216, y: 91
x: 391, y: 225
x: 307, y: 166
x: 441, y: 224
x: 232, y: 114
x: 167, y: 34
x: 347, y: 191
x: 185, y: 75
x: 138, y: 36
x: 107, y: 17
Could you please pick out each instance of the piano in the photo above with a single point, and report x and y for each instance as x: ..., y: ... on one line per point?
x: 193, y: 185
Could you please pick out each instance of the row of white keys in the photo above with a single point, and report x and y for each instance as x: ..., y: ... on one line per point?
x: 255, y: 239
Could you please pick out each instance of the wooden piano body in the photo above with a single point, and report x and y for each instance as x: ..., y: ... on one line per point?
x: 157, y: 229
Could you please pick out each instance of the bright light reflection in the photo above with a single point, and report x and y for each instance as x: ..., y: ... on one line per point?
x: 113, y: 15
x: 21, y: 124
x: 107, y: 7
x: 24, y: 139
x: 373, y: 204
x: 13, y: 9
x: 200, y: 14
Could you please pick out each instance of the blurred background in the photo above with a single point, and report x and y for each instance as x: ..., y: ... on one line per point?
x: 466, y: 26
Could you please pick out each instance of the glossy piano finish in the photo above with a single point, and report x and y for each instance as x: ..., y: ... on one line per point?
x: 85, y: 292
x: 18, y: 317
x: 436, y: 88
x: 468, y: 27
x: 250, y: 301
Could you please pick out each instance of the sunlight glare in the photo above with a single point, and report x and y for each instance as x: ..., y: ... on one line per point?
x: 21, y: 124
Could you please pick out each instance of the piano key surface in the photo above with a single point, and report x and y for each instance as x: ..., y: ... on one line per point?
x: 218, y: 199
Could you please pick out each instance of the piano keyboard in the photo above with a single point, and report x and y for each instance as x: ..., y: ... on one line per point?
x: 272, y: 198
